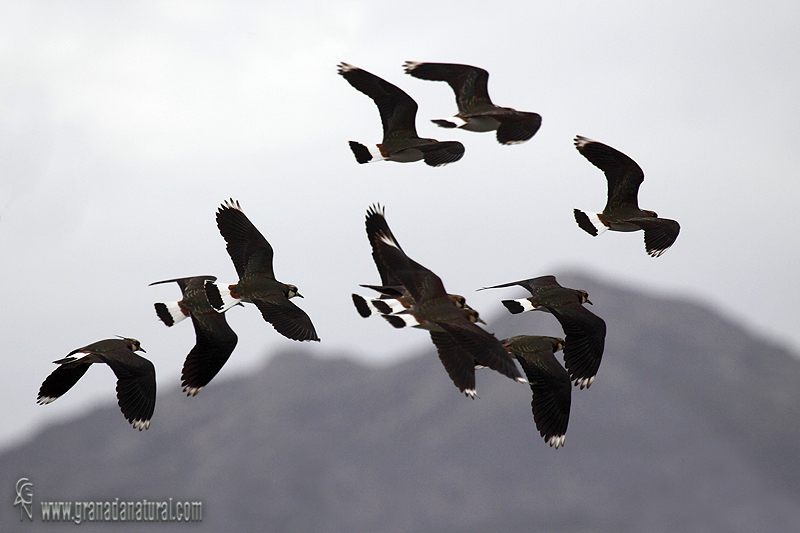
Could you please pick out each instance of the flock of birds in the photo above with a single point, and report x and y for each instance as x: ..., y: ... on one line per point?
x: 409, y: 295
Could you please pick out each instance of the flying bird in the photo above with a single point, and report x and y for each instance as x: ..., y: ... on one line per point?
x: 398, y: 114
x: 394, y: 298
x: 215, y: 340
x: 136, y: 377
x: 622, y: 211
x: 460, y: 342
x: 550, y: 383
x: 252, y: 257
x: 585, y: 332
x: 476, y: 112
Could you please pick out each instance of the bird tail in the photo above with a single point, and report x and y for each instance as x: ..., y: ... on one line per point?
x: 589, y: 222
x: 402, y: 320
x: 220, y: 300
x: 449, y: 124
x: 364, y: 154
x: 519, y: 306
x: 383, y: 306
x: 170, y: 313
x: 364, y: 306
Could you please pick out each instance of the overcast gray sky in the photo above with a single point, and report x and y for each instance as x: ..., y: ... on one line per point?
x: 124, y: 125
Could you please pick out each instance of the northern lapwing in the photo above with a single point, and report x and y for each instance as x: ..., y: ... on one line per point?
x: 622, y: 211
x: 215, y: 340
x: 136, y: 377
x: 585, y: 332
x: 394, y: 298
x: 252, y: 257
x: 550, y: 383
x: 476, y: 112
x: 398, y: 115
x: 460, y: 342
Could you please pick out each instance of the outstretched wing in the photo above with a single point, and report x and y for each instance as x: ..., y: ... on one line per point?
x: 215, y: 341
x: 659, y: 233
x: 459, y: 364
x: 397, y: 109
x: 249, y: 250
x: 584, y: 341
x: 468, y: 83
x: 421, y: 283
x: 136, y: 385
x: 60, y: 381
x: 624, y: 176
x: 287, y: 319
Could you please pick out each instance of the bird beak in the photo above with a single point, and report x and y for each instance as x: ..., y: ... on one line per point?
x: 298, y: 295
x: 482, y: 321
x: 142, y: 349
x: 588, y: 301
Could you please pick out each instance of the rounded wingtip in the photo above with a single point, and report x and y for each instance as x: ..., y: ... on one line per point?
x: 409, y: 66
x: 343, y: 67
x: 557, y: 441
x: 140, y: 424
x: 581, y: 141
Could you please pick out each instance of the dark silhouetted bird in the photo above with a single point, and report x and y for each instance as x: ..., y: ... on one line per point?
x: 394, y: 298
x: 584, y: 331
x: 550, y: 383
x: 622, y: 211
x: 215, y: 340
x: 476, y: 112
x: 461, y: 343
x: 398, y: 114
x: 136, y: 377
x: 252, y: 257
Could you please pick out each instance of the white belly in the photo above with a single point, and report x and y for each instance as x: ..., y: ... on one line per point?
x: 481, y: 124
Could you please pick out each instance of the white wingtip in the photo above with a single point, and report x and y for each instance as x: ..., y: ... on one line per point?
x: 581, y: 141
x: 192, y: 391
x: 345, y: 67
x: 557, y: 441
x: 44, y: 400
x: 140, y: 424
x: 584, y: 383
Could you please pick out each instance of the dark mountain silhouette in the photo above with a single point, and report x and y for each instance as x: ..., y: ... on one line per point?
x: 691, y: 425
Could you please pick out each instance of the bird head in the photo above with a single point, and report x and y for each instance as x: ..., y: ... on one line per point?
x: 291, y: 292
x: 583, y: 296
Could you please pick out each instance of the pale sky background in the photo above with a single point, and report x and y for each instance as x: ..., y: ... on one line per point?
x: 124, y: 125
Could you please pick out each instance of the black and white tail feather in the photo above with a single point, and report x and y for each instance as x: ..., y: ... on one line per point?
x: 220, y: 300
x: 170, y: 313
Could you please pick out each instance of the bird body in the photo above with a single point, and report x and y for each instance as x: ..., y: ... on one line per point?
x: 476, y: 112
x: 215, y: 340
x: 584, y: 331
x: 252, y: 257
x: 398, y: 116
x: 136, y: 377
x: 622, y: 212
x: 460, y: 342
